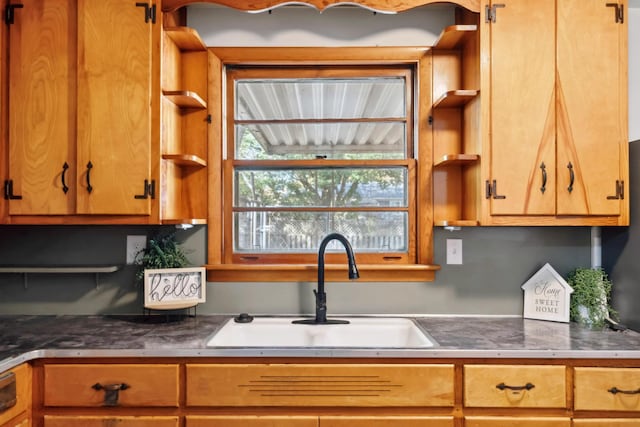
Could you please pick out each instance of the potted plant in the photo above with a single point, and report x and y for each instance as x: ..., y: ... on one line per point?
x: 161, y: 252
x: 590, y: 298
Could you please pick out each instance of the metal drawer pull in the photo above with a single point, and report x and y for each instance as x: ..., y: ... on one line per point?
x: 572, y: 177
x: 8, y: 397
x: 503, y: 386
x: 543, y: 168
x: 616, y: 390
x: 111, y: 392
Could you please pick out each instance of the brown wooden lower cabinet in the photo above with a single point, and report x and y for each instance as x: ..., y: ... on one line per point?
x: 318, y: 421
x: 108, y: 421
x: 18, y: 414
x: 607, y: 422
x: 386, y: 421
x: 517, y: 422
x: 23, y: 421
x: 279, y: 393
x: 252, y: 421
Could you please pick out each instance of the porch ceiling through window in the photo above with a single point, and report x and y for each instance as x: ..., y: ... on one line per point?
x: 302, y: 115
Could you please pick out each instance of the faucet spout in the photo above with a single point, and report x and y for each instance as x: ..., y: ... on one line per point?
x: 320, y: 294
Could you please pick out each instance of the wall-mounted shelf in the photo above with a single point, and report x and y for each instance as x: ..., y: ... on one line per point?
x: 454, y: 36
x: 185, y: 160
x: 455, y: 98
x: 185, y: 98
x: 186, y: 121
x: 25, y: 270
x: 454, y: 118
x: 180, y: 221
x: 187, y: 39
x: 456, y: 160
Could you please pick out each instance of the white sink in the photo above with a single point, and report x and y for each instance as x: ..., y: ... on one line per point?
x: 361, y: 332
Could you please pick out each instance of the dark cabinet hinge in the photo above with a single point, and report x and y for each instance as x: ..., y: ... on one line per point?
x: 619, y: 11
x: 9, y: 13
x: 490, y: 12
x: 491, y: 190
x: 430, y: 120
x: 149, y: 190
x: 149, y: 12
x: 619, y: 191
x: 209, y: 119
x: 8, y: 191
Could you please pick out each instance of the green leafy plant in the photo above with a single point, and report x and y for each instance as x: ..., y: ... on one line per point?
x: 162, y: 251
x: 590, y: 300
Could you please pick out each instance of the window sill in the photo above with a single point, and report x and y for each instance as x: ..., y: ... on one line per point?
x: 309, y: 273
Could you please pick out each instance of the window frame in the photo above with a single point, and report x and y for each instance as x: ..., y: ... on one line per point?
x: 224, y: 265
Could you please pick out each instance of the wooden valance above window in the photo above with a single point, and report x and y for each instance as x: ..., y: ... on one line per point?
x: 380, y: 6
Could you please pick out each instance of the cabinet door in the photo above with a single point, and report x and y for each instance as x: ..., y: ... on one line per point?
x: 592, y: 98
x: 607, y: 422
x: 114, y: 106
x: 111, y: 421
x: 251, y: 421
x: 523, y: 108
x: 386, y: 421
x: 516, y: 422
x: 22, y: 422
x: 41, y: 107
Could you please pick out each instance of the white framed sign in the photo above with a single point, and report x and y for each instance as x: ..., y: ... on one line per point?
x: 174, y: 288
x: 546, y: 296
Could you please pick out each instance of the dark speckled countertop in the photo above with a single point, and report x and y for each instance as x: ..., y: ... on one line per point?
x: 24, y: 338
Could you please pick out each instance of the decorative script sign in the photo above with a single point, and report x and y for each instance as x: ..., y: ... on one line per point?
x: 174, y: 288
x: 546, y: 296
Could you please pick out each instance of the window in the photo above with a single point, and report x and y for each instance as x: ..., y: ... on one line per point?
x: 310, y: 150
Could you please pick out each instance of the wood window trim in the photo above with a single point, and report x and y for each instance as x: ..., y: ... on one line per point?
x: 419, y: 270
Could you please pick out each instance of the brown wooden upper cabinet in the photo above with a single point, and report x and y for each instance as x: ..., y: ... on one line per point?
x: 80, y: 80
x: 558, y: 146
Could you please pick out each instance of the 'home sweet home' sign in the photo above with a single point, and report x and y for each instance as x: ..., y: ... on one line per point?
x: 546, y: 296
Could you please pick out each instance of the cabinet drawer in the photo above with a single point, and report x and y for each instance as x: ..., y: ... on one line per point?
x: 91, y: 421
x: 517, y: 422
x: 85, y: 385
x: 251, y: 421
x: 319, y: 385
x: 499, y: 386
x: 22, y: 385
x: 607, y: 422
x: 611, y: 389
x: 386, y: 421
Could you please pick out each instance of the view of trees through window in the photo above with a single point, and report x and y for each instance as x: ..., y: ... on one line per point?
x: 308, y: 166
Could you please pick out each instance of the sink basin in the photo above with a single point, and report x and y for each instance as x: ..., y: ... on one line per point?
x: 361, y: 332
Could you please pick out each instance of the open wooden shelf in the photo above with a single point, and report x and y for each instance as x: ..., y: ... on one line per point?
x: 456, y: 160
x: 177, y: 221
x: 454, y: 36
x: 457, y: 223
x: 455, y: 98
x: 185, y: 98
x: 185, y: 159
x: 187, y: 39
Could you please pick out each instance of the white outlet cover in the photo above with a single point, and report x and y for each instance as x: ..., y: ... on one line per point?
x: 454, y: 251
x: 135, y: 244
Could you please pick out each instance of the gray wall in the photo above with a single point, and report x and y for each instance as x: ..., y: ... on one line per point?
x: 497, y: 261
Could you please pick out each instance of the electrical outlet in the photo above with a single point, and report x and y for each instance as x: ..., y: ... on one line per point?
x: 135, y: 244
x: 454, y: 251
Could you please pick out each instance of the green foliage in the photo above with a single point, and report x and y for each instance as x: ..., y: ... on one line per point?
x: 162, y: 251
x: 591, y: 290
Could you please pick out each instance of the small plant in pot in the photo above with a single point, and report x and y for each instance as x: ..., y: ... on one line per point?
x: 162, y: 251
x: 590, y: 298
